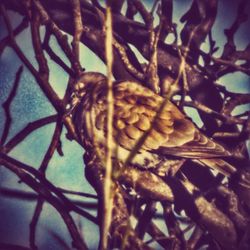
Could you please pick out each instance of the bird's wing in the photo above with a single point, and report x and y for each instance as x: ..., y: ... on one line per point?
x: 168, y: 131
x: 200, y: 147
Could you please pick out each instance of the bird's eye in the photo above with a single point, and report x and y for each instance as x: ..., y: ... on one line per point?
x: 73, y: 95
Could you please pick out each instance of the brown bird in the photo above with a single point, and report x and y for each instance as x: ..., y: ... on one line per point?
x: 147, y: 129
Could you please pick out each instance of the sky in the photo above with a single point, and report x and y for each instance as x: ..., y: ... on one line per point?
x: 68, y: 171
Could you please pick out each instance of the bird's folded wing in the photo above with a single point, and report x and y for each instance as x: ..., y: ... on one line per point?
x: 138, y: 118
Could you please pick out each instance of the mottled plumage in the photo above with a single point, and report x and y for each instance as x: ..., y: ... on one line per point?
x: 137, y: 119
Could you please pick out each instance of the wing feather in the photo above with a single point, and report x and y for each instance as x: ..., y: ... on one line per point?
x: 168, y: 131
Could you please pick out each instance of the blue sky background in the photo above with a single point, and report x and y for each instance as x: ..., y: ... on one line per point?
x: 68, y: 172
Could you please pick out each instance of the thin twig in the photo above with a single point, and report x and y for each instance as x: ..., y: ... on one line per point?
x: 173, y: 226
x: 45, y: 183
x: 28, y: 129
x: 158, y: 236
x: 5, y: 246
x: 124, y: 57
x: 78, y: 28
x: 44, y: 85
x: 6, y: 105
x: 59, y: 238
x: 87, y: 195
x: 194, y: 238
x: 34, y: 221
x: 145, y: 219
x: 31, y: 196
x: 45, y: 192
x: 43, y: 70
x: 53, y: 145
x: 207, y: 110
x: 61, y: 38
x: 57, y: 59
x: 7, y: 40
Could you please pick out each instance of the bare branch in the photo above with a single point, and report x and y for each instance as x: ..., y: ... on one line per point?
x: 78, y: 28
x: 61, y: 38
x: 226, y: 118
x: 45, y: 86
x: 36, y: 186
x: 174, y: 231
x: 108, y: 183
x: 54, y: 56
x: 218, y: 214
x: 32, y: 196
x: 30, y: 171
x: 6, y: 105
x: 4, y: 246
x: 199, y: 21
x: 55, y: 142
x: 194, y: 238
x: 145, y: 218
x: 7, y: 40
x: 20, y: 136
x: 34, y: 221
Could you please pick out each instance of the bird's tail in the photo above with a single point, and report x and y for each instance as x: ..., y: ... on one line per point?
x: 218, y: 164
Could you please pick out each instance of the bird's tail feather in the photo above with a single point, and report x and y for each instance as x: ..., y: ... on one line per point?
x: 220, y: 165
x: 194, y: 152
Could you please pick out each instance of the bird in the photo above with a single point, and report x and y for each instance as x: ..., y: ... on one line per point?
x: 148, y: 130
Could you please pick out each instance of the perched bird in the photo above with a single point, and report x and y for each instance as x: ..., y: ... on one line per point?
x: 147, y: 129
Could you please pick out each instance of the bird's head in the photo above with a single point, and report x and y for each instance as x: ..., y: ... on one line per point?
x: 80, y: 87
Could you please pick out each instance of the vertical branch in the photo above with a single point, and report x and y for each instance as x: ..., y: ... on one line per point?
x: 152, y: 69
x: 52, y: 147
x: 34, y: 221
x: 194, y: 238
x: 183, y: 54
x: 145, y: 219
x: 55, y: 142
x: 131, y: 10
x: 44, y: 74
x: 43, y: 70
x: 78, y: 29
x: 108, y: 196
x: 230, y: 46
x: 185, y: 87
x: 174, y: 230
x: 199, y: 18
